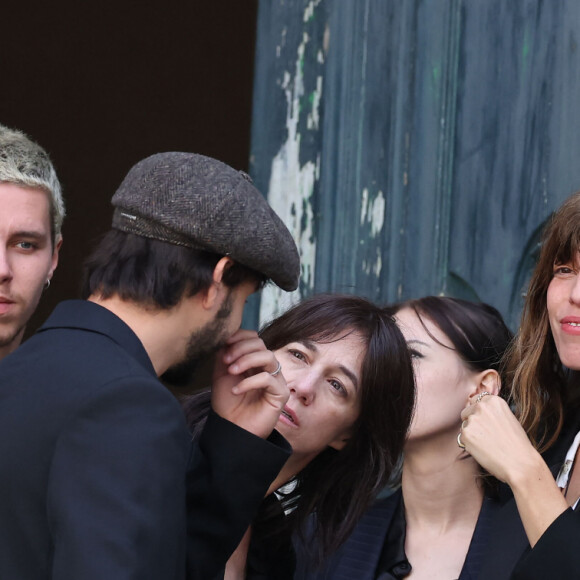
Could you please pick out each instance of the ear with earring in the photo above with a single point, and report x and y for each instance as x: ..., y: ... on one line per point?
x: 489, y: 382
x: 47, y: 284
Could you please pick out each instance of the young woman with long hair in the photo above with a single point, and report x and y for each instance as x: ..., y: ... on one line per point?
x: 351, y: 385
x: 544, y: 361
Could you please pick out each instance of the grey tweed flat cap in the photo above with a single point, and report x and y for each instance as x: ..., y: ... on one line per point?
x: 201, y: 203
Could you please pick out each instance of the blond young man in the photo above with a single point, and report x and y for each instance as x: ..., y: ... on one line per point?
x: 30, y: 232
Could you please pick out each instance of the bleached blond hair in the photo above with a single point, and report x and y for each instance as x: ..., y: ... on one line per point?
x: 24, y: 162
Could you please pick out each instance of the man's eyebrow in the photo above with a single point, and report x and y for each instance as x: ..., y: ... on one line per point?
x: 36, y: 234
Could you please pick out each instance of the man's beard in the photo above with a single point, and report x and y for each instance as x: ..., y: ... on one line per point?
x: 11, y: 340
x: 202, y: 344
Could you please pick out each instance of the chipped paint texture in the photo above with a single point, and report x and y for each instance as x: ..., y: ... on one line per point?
x: 309, y: 10
x: 373, y: 214
x: 282, y: 42
x: 313, y: 120
x: 291, y: 185
x: 373, y: 267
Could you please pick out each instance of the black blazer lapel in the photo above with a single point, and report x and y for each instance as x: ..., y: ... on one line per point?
x: 507, y: 543
x: 508, y: 540
x: 479, y: 540
x: 360, y: 554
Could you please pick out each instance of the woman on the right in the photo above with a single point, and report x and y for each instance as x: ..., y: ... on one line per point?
x: 544, y: 363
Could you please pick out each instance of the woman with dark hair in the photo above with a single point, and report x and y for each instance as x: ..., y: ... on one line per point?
x: 545, y: 361
x: 351, y: 401
x: 437, y: 523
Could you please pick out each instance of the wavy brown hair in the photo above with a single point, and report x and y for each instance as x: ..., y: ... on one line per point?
x: 538, y: 378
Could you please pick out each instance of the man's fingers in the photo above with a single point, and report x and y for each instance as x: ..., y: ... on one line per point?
x: 257, y: 361
x: 240, y: 335
x: 239, y: 349
x: 275, y: 386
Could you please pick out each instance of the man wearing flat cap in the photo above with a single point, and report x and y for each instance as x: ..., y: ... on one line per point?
x: 94, y: 449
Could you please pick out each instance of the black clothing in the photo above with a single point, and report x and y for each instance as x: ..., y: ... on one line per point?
x: 556, y: 554
x: 271, y: 554
x: 376, y: 548
x: 94, y: 456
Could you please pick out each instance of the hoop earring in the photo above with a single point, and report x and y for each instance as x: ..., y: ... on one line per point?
x: 47, y: 284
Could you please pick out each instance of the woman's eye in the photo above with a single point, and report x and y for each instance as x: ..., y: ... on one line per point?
x: 415, y: 353
x: 297, y: 354
x: 563, y: 270
x: 337, y: 386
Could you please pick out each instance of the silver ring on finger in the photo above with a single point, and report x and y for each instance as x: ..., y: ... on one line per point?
x: 278, y: 369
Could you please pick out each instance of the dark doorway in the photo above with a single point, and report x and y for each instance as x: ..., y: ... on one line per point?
x: 102, y: 85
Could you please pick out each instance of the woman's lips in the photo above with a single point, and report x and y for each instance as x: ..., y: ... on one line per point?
x: 288, y: 416
x: 570, y: 325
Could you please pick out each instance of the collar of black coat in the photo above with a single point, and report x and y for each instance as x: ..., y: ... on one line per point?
x: 88, y: 316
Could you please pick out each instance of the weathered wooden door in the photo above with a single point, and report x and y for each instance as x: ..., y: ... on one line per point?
x: 416, y: 146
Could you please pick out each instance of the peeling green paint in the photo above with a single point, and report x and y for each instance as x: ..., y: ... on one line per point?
x: 292, y: 184
x: 372, y: 217
x: 362, y: 101
x: 313, y: 120
x: 309, y: 11
x: 378, y: 263
x: 373, y: 212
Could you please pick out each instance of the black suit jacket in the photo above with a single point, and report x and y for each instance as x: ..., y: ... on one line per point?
x: 359, y: 556
x: 94, y: 454
x: 557, y: 553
